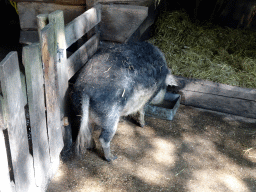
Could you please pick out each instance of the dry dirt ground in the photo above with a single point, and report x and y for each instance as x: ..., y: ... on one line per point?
x: 198, y: 151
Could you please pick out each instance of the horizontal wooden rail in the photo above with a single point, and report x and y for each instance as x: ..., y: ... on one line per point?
x: 82, y: 24
x: 81, y: 56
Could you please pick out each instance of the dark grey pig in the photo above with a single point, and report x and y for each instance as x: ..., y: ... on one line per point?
x: 118, y: 81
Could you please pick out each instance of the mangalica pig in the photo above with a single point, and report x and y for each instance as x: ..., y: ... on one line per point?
x: 118, y: 81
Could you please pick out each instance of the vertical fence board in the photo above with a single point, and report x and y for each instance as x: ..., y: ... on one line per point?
x: 2, y: 126
x: 35, y: 92
x: 49, y: 51
x: 57, y: 20
x: 5, y: 184
x: 42, y: 21
x: 13, y: 109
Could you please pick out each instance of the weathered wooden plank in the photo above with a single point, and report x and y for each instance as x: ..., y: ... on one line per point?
x: 28, y: 37
x: 218, y: 97
x: 14, y: 117
x: 42, y: 21
x: 49, y: 52
x: 92, y: 2
x: 5, y: 183
x: 203, y: 86
x: 146, y: 3
x: 2, y: 126
x: 29, y: 10
x: 82, y: 24
x: 23, y: 87
x: 235, y: 106
x: 119, y: 22
x: 57, y: 19
x: 81, y: 56
x: 145, y: 30
x: 35, y: 92
x: 65, y: 2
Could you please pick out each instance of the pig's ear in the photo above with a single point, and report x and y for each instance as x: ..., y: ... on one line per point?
x: 170, y: 79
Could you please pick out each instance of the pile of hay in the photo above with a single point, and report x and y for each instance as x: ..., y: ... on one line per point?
x: 207, y: 51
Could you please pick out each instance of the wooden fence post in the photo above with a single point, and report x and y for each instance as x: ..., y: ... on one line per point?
x: 49, y: 59
x: 42, y: 21
x: 35, y: 92
x: 57, y: 20
x: 14, y: 120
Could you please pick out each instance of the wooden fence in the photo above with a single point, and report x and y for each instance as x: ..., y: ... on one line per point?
x: 28, y: 163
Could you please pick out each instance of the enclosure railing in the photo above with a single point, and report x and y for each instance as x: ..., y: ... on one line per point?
x: 33, y: 115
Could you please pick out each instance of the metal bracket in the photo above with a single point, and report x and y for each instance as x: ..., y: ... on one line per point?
x: 59, y: 53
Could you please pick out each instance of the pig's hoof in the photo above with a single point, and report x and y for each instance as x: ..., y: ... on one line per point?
x: 112, y: 158
x: 142, y: 124
x: 108, y: 155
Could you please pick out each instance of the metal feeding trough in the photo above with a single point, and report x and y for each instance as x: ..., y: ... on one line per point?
x: 165, y: 110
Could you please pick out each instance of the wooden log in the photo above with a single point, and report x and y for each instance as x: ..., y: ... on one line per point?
x: 218, y: 97
x: 119, y: 22
x: 81, y: 56
x: 49, y: 52
x: 82, y: 24
x: 29, y: 10
x: 35, y: 92
x: 14, y: 120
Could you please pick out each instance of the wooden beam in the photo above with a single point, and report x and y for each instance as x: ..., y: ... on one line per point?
x: 29, y: 10
x: 82, y: 24
x: 28, y: 37
x: 218, y: 97
x: 63, y: 2
x: 119, y: 22
x: 204, y: 86
x: 81, y: 56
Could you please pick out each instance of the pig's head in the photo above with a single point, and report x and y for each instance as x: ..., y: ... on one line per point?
x: 171, y: 81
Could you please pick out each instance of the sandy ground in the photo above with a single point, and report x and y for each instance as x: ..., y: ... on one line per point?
x: 198, y: 151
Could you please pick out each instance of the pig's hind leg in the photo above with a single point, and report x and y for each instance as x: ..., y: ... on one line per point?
x: 139, y: 117
x: 84, y: 139
x: 109, y: 127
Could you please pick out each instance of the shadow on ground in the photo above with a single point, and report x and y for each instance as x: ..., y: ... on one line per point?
x: 198, y: 151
